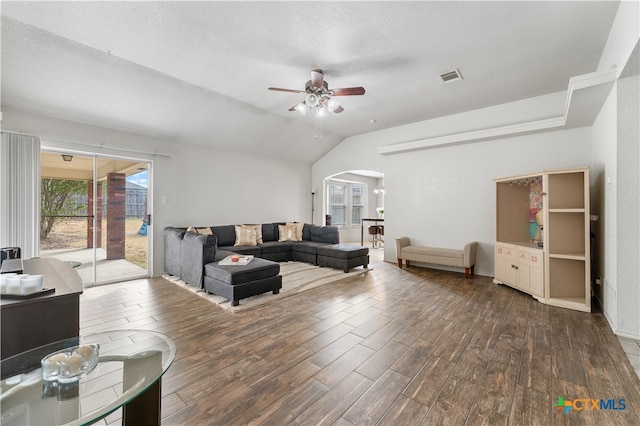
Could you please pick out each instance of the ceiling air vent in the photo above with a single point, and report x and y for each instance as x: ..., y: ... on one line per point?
x: 451, y: 76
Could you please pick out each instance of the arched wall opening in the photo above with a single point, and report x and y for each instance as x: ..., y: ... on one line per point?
x: 349, y: 196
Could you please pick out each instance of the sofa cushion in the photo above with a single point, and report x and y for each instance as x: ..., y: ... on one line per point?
x: 247, y: 235
x: 254, y: 250
x: 269, y: 232
x: 306, y: 232
x: 226, y: 234
x: 275, y: 247
x: 172, y: 242
x: 325, y: 234
x: 196, y: 250
x: 310, y: 247
x: 434, y: 251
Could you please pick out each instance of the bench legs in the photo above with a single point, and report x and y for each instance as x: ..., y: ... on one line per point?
x: 400, y: 263
x: 468, y: 272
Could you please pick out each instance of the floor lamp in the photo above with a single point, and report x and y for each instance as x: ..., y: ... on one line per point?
x: 313, y: 204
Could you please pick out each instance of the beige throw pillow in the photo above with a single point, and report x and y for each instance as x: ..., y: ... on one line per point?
x: 246, y: 235
x: 287, y: 233
x: 298, y: 227
x: 201, y: 231
x: 258, y: 233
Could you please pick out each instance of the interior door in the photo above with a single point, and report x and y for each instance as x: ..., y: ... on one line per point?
x: 95, y: 216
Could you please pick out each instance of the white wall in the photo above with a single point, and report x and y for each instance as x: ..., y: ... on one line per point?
x: 615, y: 158
x: 603, y: 203
x: 628, y: 206
x: 446, y: 196
x: 202, y: 186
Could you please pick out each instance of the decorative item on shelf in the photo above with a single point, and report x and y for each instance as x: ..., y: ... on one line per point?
x: 380, y: 211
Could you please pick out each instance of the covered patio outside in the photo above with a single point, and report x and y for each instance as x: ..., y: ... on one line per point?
x: 68, y: 227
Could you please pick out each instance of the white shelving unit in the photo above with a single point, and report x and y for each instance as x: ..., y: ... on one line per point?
x: 554, y: 264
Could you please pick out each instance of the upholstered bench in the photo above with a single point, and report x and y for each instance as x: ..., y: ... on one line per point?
x: 343, y: 256
x: 465, y: 258
x: 235, y: 282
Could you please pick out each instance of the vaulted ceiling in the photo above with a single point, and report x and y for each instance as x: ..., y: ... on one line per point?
x: 199, y: 71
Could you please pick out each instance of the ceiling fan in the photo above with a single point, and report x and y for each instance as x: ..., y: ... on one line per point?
x: 318, y: 96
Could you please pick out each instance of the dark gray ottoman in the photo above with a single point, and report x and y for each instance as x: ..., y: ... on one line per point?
x: 343, y: 256
x: 235, y: 282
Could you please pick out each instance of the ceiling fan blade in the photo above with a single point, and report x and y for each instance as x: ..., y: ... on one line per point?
x: 278, y: 89
x: 317, y: 78
x: 347, y: 91
x: 338, y: 110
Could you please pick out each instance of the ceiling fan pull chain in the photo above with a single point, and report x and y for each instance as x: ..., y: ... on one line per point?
x: 318, y: 127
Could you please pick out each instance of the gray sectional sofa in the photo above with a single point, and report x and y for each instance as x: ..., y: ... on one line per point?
x: 195, y: 257
x: 186, y: 253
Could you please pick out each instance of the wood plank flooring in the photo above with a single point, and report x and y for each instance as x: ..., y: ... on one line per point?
x: 394, y: 347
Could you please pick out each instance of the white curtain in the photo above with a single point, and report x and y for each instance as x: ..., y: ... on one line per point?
x: 20, y: 193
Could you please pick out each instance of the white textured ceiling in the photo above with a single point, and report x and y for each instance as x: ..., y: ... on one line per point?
x: 199, y: 71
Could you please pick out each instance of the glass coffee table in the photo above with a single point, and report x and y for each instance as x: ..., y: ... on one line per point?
x: 128, y: 374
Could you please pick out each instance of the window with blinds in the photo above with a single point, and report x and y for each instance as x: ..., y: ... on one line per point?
x: 346, y: 203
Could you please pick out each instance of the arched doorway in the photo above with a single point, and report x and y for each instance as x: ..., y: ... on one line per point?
x: 349, y: 197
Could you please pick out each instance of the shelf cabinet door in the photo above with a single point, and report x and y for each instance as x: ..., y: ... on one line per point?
x: 522, y: 269
x: 536, y: 273
x: 531, y: 271
x: 505, y: 261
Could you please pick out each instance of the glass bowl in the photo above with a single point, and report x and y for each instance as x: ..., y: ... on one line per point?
x: 69, y: 365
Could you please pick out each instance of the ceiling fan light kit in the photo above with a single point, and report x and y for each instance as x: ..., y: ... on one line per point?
x: 301, y: 107
x: 312, y: 100
x: 318, y: 96
x: 332, y: 105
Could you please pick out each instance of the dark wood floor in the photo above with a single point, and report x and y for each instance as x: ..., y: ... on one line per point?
x: 395, y: 347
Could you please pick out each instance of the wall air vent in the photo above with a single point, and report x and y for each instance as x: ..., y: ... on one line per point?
x: 451, y: 76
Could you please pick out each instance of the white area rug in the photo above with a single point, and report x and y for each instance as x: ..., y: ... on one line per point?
x: 297, y: 277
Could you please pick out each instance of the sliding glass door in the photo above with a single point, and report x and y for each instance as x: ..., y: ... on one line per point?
x: 95, y: 216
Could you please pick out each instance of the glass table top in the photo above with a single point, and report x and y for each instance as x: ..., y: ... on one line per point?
x: 129, y: 362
